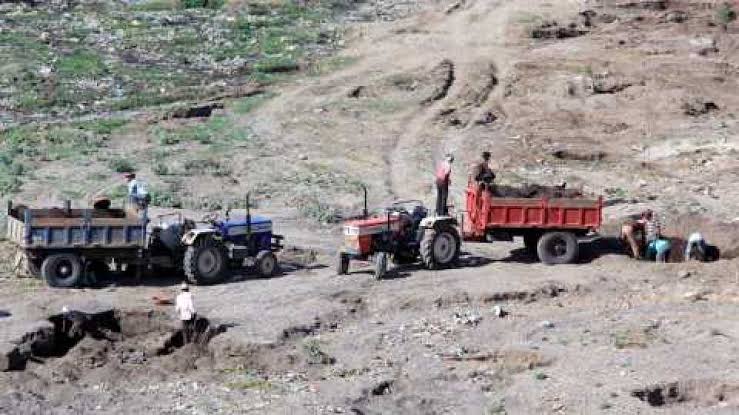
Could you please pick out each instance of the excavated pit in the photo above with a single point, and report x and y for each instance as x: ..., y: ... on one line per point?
x: 697, y: 393
x: 81, y: 341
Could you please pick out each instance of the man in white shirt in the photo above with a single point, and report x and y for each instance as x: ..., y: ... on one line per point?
x: 138, y: 195
x: 185, y: 308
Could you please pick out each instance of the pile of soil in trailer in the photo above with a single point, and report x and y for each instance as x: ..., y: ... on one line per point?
x: 531, y: 191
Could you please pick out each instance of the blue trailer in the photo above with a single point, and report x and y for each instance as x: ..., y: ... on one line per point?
x: 63, y: 244
x: 60, y: 244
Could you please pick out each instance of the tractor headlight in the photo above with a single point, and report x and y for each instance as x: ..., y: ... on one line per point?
x: 351, y: 238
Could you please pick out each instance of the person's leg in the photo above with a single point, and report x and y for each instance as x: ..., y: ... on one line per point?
x: 627, y: 233
x: 186, y: 331
x: 662, y: 248
x: 438, y: 200
x: 445, y: 200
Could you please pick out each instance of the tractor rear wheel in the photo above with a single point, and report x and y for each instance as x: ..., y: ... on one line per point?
x: 440, y: 247
x: 62, y: 270
x: 380, y: 265
x: 557, y: 248
x: 266, y: 264
x: 206, y: 262
x: 342, y: 263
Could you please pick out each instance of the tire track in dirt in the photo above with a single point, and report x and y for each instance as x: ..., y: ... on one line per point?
x: 424, y: 141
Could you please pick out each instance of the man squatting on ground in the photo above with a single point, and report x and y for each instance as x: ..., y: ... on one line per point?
x: 651, y: 242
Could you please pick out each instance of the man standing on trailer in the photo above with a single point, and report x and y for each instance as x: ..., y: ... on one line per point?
x: 443, y: 180
x: 483, y: 174
x: 138, y: 195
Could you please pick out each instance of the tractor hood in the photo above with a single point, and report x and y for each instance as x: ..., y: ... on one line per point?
x: 238, y: 226
x: 372, y: 225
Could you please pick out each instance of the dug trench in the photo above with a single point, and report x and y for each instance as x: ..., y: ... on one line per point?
x: 80, y: 347
x: 694, y: 393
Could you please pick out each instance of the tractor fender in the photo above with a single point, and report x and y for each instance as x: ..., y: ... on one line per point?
x: 194, y: 235
x: 431, y: 222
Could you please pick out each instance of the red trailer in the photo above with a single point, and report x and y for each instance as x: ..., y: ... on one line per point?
x: 549, y: 227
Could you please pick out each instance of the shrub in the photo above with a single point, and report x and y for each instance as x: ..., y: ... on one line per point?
x: 725, y: 14
x: 200, y: 4
x: 121, y: 165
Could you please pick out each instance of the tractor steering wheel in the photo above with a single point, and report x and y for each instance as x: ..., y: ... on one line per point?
x: 210, y: 217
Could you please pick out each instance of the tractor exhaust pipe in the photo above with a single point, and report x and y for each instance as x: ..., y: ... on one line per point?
x: 248, y: 213
x: 365, y: 212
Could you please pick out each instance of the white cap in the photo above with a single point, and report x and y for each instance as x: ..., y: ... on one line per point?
x: 184, y: 286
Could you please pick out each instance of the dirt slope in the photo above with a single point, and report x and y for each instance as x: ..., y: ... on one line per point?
x: 638, y: 104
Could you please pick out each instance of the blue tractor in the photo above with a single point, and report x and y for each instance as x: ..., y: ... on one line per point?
x: 248, y: 241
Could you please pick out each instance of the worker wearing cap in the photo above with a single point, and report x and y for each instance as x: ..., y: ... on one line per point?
x: 443, y: 179
x: 185, y: 308
x: 137, y: 192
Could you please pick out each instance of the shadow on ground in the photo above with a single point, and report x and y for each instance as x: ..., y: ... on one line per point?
x: 590, y: 250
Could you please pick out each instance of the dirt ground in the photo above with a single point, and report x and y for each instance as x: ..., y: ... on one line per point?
x: 636, y: 101
x: 607, y: 336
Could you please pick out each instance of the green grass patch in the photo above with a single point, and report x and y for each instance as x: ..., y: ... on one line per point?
x: 157, y: 5
x: 121, y: 165
x: 200, y: 4
x: 81, y: 63
x: 725, y: 14
x: 249, y: 104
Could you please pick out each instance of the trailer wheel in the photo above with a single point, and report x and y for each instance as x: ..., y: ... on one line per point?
x: 342, y: 263
x: 266, y: 264
x: 205, y: 262
x: 440, y: 247
x: 557, y: 248
x: 62, y: 270
x: 380, y: 265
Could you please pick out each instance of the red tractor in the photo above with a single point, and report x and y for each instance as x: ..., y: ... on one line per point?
x: 403, y: 232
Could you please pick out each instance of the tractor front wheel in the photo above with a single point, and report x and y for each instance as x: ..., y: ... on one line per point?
x: 205, y: 262
x: 440, y: 247
x: 266, y: 264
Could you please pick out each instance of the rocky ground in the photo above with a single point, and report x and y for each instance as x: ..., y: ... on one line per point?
x: 498, y: 335
x: 632, y: 100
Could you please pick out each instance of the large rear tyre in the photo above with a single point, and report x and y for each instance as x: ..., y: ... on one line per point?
x: 205, y: 262
x: 557, y: 248
x: 62, y: 270
x: 342, y: 263
x: 266, y: 264
x: 380, y: 265
x: 440, y: 247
